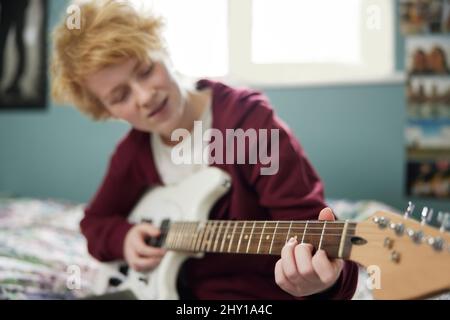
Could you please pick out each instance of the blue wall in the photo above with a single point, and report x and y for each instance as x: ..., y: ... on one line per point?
x: 352, y: 134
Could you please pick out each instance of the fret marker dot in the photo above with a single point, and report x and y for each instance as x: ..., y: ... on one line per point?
x: 267, y: 237
x: 246, y: 237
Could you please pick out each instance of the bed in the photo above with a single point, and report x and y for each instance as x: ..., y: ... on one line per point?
x: 43, y: 254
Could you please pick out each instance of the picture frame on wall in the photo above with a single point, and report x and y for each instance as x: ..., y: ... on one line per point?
x: 426, y: 25
x: 23, y: 54
x: 428, y: 55
x: 424, y: 16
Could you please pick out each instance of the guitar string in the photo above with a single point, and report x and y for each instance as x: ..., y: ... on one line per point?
x: 249, y: 224
x: 360, y: 227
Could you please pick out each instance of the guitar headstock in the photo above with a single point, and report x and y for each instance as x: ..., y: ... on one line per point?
x: 411, y: 259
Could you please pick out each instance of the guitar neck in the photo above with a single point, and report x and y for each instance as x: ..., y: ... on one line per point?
x: 258, y: 237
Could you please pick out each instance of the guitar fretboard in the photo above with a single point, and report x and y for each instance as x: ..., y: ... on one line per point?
x: 259, y: 237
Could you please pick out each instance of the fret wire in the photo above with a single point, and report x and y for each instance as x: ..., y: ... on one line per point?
x: 206, y: 236
x: 192, y: 231
x: 304, y: 232
x: 289, y: 231
x: 189, y: 236
x: 181, y: 238
x: 182, y: 242
x: 178, y: 236
x: 262, y: 234
x: 180, y: 227
x: 174, y: 237
x: 214, y: 237
x: 194, y: 236
x: 200, y: 231
x: 224, y: 236
x: 250, y: 238
x: 217, y: 237
x: 177, y: 245
x: 200, y: 236
x: 170, y: 236
x: 177, y: 239
x: 182, y: 235
x: 341, y: 245
x: 232, y: 236
x: 321, y: 236
x: 185, y: 235
x: 240, y: 238
x: 273, y: 237
x: 212, y: 232
x: 211, y: 236
x: 168, y: 243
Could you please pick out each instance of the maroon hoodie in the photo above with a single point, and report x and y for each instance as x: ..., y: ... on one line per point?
x: 295, y: 192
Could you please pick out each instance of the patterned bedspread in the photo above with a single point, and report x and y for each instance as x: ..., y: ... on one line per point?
x: 42, y: 250
x: 43, y: 254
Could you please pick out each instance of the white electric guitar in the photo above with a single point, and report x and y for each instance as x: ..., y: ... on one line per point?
x: 414, y: 258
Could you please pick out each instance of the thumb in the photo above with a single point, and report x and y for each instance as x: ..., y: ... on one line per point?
x: 326, y: 214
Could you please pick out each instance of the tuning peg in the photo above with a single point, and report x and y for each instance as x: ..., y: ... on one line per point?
x: 426, y: 215
x: 444, y: 219
x: 409, y: 210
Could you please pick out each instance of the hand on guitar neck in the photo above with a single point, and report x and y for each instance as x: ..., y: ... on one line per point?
x: 302, y: 272
x: 138, y: 254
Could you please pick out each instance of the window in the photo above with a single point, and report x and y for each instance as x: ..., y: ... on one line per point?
x: 280, y: 42
x: 304, y: 31
x: 196, y: 34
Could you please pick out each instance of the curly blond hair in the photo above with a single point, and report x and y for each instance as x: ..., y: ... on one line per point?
x: 111, y: 31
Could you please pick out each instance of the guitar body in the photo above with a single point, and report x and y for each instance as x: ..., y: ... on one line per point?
x: 191, y: 200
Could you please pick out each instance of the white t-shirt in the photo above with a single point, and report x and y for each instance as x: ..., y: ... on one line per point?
x: 170, y: 172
